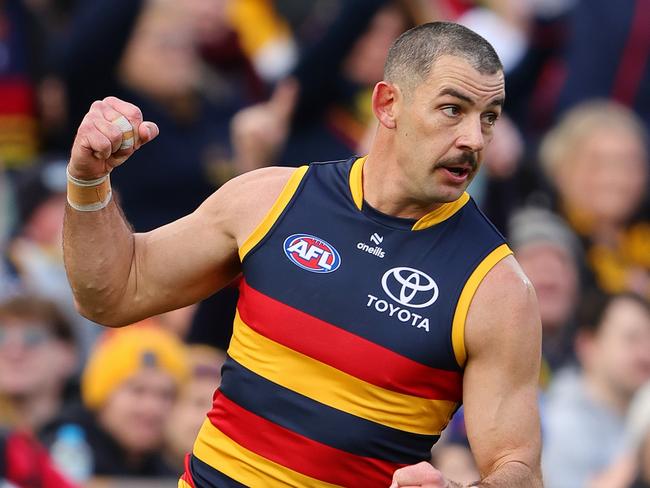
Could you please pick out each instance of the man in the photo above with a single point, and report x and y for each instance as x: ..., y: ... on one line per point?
x: 374, y: 294
x: 584, y: 415
x: 37, y: 358
x: 128, y: 388
x: 550, y: 253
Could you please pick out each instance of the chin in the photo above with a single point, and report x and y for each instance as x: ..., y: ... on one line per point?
x: 448, y: 195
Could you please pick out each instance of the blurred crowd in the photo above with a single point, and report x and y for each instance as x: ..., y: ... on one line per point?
x: 235, y: 85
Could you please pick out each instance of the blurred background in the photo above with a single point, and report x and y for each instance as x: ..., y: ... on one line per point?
x: 235, y: 85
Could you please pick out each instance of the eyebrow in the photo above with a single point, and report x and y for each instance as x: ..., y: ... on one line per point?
x: 461, y: 96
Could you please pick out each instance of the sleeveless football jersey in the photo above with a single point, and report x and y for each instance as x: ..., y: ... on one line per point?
x: 347, y: 355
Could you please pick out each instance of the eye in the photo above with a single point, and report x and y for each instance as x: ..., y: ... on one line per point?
x: 451, y: 111
x: 490, y: 118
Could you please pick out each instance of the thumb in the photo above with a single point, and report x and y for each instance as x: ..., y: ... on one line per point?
x: 284, y: 98
x: 421, y: 474
x: 148, y: 131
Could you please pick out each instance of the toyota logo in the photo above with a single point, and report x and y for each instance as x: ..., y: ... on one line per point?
x: 414, y: 288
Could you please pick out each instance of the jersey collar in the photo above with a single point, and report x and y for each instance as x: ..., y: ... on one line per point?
x: 440, y: 214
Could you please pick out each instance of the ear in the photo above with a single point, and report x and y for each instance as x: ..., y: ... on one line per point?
x: 385, y: 101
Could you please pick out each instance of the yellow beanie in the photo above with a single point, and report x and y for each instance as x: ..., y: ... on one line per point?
x: 120, y: 353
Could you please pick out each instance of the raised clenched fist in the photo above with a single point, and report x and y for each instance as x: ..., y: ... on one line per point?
x: 109, y: 133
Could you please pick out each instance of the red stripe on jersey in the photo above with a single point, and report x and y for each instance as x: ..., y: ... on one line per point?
x: 187, y: 477
x: 363, y: 359
x: 295, y: 451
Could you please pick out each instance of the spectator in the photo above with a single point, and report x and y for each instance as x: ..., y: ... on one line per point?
x: 585, y: 410
x: 194, y: 401
x: 37, y: 357
x: 597, y: 159
x: 26, y: 464
x: 146, y: 52
x: 549, y: 254
x: 323, y: 108
x: 128, y: 389
x: 632, y: 470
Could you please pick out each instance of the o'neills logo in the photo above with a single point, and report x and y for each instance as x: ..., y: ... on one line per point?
x: 375, y: 250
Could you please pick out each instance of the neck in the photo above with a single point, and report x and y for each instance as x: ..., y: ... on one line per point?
x: 387, y: 188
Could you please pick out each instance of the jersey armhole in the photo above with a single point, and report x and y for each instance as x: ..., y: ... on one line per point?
x: 274, y: 213
x: 465, y: 299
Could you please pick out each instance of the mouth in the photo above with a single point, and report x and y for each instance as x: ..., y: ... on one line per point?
x: 458, y: 174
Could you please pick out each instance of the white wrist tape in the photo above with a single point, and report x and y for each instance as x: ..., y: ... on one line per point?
x: 88, y: 195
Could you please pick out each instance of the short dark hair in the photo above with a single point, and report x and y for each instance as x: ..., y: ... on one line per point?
x: 415, y: 51
x: 30, y: 307
x: 595, y: 304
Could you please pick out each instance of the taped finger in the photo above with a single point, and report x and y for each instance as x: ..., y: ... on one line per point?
x: 128, y: 137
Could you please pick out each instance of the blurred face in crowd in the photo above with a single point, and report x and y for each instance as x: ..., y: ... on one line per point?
x: 32, y: 359
x: 188, y: 414
x: 45, y: 225
x: 610, y: 164
x: 194, y: 400
x: 161, y: 58
x: 135, y: 412
x: 209, y: 18
x: 442, y: 126
x: 365, y: 62
x: 553, y: 273
x: 619, y: 351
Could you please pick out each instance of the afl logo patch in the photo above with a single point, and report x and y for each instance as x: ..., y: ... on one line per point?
x: 311, y: 253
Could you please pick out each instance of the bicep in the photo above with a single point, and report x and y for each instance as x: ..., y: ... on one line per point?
x: 185, y: 261
x: 182, y: 262
x: 500, y: 393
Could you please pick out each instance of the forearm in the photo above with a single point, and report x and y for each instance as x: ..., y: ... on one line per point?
x: 99, y: 252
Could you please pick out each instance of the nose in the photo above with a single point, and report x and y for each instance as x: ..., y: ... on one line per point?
x: 470, y: 137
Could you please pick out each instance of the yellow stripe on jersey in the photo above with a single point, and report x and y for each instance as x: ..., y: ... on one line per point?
x: 278, y: 206
x: 183, y: 484
x: 460, y: 315
x: 218, y: 450
x: 442, y: 213
x: 332, y: 387
x: 356, y: 181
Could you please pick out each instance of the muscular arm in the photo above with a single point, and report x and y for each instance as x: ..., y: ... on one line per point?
x: 119, y: 277
x: 503, y: 341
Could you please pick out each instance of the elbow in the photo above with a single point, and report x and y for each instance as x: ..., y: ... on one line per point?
x: 101, y: 314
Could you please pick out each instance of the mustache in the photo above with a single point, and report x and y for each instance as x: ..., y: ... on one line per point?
x: 460, y: 159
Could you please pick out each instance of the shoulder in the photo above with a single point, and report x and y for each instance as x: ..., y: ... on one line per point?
x: 263, y: 183
x: 241, y: 203
x: 503, y: 311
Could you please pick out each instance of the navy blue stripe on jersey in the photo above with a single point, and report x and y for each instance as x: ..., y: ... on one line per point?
x: 448, y: 252
x: 320, y: 422
x: 205, y: 476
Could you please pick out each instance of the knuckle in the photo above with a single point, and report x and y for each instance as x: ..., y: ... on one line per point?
x: 96, y: 106
x: 133, y: 113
